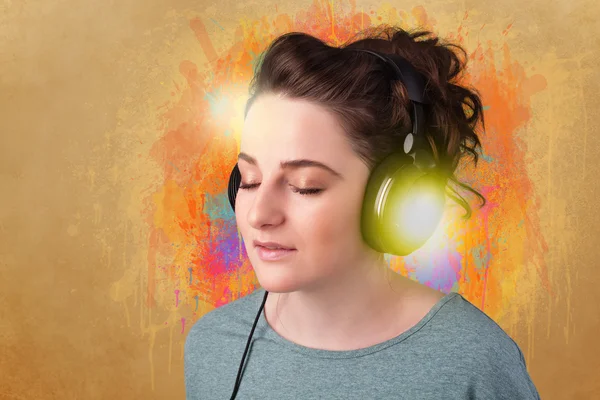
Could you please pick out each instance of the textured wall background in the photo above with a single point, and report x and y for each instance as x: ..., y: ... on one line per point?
x: 120, y: 123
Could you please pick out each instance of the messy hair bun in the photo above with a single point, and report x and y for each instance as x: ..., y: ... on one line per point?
x: 373, y: 109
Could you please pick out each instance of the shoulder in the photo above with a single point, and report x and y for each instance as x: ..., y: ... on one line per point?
x: 490, y: 359
x: 225, y: 321
x: 460, y: 322
x: 214, y: 341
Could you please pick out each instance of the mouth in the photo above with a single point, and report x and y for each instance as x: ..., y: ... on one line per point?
x: 272, y: 245
x: 271, y: 251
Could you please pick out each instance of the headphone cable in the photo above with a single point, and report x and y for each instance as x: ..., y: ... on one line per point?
x: 239, y: 375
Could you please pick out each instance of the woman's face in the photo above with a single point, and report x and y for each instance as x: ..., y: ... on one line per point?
x: 322, y: 227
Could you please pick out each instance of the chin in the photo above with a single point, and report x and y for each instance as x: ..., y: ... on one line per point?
x: 277, y: 281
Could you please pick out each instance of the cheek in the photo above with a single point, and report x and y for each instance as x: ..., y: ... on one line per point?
x: 333, y: 224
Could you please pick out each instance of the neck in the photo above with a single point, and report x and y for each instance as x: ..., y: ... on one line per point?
x: 339, y: 313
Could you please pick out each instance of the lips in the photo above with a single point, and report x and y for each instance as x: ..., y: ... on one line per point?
x: 273, y: 252
x: 273, y: 245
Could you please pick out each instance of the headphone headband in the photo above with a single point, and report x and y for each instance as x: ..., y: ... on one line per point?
x: 415, y: 87
x: 405, y: 72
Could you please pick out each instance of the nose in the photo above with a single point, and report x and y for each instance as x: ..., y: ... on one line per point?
x: 265, y: 209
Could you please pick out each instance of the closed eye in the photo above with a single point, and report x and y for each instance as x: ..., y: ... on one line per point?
x: 307, y: 191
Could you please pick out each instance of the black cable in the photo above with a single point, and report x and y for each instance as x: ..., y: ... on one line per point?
x: 239, y: 375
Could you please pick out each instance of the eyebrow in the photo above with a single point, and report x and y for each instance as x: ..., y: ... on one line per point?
x: 294, y: 164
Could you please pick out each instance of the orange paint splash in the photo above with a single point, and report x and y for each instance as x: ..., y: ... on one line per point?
x: 194, y: 246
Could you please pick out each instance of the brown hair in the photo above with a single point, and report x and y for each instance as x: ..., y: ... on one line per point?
x: 373, y: 109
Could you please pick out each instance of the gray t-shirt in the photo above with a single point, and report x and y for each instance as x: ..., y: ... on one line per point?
x: 455, y: 352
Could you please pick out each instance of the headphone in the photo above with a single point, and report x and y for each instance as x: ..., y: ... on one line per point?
x: 401, y: 176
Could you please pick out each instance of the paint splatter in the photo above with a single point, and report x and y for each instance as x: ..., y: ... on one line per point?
x: 481, y: 258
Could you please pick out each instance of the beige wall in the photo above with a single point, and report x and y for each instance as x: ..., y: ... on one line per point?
x: 87, y: 91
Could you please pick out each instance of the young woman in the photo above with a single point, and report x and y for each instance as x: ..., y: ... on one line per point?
x: 337, y: 322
